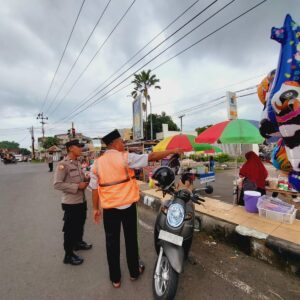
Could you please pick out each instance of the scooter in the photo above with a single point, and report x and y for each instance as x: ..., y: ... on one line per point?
x: 9, y: 160
x: 173, y: 233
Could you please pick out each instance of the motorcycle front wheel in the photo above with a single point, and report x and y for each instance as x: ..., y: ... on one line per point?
x: 165, y: 284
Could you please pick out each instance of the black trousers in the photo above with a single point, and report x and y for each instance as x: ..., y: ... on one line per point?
x: 50, y: 166
x: 112, y: 219
x: 74, y: 220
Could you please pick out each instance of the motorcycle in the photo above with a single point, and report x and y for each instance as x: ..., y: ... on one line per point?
x: 173, y: 233
x: 11, y: 160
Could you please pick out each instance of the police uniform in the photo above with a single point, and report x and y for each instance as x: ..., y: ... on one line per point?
x: 67, y: 176
x: 113, y: 175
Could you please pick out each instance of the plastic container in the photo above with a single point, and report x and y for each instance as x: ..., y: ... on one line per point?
x: 250, y: 199
x: 201, y: 170
x: 276, y: 210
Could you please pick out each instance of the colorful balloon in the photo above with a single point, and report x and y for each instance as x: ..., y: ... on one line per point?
x: 264, y: 87
x: 282, y: 111
x: 279, y: 157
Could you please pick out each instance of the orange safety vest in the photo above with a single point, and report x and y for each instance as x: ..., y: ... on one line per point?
x: 117, y: 183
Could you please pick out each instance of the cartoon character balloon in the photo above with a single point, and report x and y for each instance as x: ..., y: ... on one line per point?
x: 282, y: 109
x: 279, y: 157
x: 264, y: 87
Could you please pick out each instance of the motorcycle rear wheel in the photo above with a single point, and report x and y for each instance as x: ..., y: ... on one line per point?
x: 164, y: 287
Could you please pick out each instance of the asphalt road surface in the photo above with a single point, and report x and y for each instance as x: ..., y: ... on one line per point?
x: 31, y: 254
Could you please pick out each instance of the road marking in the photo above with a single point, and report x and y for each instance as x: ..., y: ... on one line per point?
x: 146, y: 226
x: 240, y: 285
x: 244, y: 287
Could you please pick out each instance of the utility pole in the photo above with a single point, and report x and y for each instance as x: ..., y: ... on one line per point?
x: 32, y: 141
x: 180, y: 117
x: 151, y: 125
x: 41, y: 116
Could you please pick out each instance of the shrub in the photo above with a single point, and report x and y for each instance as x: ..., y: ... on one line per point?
x: 223, y: 157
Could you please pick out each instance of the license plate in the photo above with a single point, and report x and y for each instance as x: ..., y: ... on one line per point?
x: 170, y: 237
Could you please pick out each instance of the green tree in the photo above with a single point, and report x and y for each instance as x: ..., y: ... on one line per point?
x: 9, y: 145
x: 201, y: 129
x: 157, y: 121
x: 142, y: 83
x: 50, y: 141
x: 24, y: 151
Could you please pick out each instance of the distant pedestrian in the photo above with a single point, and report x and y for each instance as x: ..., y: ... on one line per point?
x: 70, y: 179
x: 211, y: 164
x: 50, y: 161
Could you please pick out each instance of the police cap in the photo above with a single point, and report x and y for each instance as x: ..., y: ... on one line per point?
x: 74, y: 143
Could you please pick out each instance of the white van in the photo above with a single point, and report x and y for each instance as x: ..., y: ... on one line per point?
x: 19, y: 157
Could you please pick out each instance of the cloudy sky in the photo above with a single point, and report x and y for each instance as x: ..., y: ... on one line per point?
x: 34, y: 33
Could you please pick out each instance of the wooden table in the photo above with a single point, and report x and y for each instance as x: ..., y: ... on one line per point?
x: 283, y: 192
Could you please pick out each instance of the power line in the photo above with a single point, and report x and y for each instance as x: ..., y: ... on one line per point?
x: 97, y: 52
x: 180, y: 28
x: 62, y: 56
x: 78, y: 56
x: 194, y: 44
x: 139, y: 51
x: 105, y: 98
x: 247, y: 95
x: 200, y: 105
x: 213, y: 32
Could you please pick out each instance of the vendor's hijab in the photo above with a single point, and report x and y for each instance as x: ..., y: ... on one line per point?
x: 254, y: 169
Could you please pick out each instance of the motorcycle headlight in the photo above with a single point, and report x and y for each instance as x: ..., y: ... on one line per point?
x: 175, y: 215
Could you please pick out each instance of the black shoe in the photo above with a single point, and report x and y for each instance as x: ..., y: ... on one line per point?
x: 141, y: 271
x: 83, y: 246
x: 73, y: 259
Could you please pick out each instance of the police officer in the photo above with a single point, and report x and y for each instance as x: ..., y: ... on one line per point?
x: 70, y: 179
x: 115, y: 190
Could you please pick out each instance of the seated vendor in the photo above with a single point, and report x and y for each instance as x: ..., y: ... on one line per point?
x: 254, y: 175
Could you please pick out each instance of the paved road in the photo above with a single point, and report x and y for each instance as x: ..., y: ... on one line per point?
x: 31, y: 254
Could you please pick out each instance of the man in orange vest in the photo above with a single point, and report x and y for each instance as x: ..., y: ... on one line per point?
x: 115, y: 190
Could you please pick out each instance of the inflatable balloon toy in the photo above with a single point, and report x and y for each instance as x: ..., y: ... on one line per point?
x: 279, y: 158
x: 264, y: 87
x: 282, y: 110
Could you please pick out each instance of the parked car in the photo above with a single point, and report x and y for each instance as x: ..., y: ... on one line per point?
x: 19, y: 157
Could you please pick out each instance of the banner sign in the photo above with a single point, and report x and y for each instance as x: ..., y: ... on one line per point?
x: 138, y: 131
x: 231, y: 106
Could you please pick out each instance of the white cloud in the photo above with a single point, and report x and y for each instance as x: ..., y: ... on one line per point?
x: 34, y: 33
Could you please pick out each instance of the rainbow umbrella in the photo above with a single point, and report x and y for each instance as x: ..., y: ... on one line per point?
x: 238, y: 131
x: 185, y: 142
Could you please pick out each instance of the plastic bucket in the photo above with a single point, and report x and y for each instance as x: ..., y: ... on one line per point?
x: 250, y: 199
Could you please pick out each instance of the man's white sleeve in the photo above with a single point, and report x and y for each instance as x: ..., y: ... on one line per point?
x: 137, y: 161
x: 94, y: 178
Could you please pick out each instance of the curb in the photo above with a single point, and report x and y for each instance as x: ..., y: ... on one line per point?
x: 280, y: 253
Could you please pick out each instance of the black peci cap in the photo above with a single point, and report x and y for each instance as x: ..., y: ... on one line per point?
x: 107, y: 139
x: 74, y: 143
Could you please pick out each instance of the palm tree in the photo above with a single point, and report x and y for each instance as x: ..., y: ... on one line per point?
x: 143, y: 82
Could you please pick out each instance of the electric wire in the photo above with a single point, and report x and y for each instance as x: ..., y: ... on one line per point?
x: 180, y: 28
x: 62, y: 56
x: 182, y: 51
x: 95, y: 55
x: 185, y: 35
x: 213, y: 32
x: 140, y: 50
x: 78, y: 56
